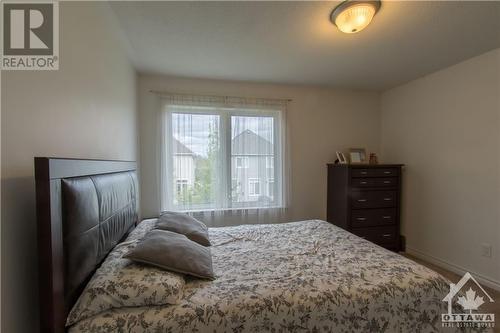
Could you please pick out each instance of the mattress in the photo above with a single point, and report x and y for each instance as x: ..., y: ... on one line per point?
x: 307, y: 276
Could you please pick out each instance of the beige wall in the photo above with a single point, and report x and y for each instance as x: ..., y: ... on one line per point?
x: 86, y: 109
x: 320, y: 120
x: 445, y: 128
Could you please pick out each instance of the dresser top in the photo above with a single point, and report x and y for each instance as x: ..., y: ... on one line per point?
x: 365, y: 166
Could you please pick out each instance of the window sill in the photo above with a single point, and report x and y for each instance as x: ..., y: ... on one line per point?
x: 230, y: 210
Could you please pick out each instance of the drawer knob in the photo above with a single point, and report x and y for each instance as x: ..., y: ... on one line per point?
x: 387, y: 172
x: 361, y: 218
x: 363, y: 172
x: 386, y: 217
x: 363, y: 183
x: 387, y: 181
x: 387, y: 199
x: 387, y: 235
x: 361, y: 200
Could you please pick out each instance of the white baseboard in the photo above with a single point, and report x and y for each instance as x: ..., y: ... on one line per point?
x: 484, y: 280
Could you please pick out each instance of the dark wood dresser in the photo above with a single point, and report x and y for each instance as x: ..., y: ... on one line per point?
x: 365, y: 200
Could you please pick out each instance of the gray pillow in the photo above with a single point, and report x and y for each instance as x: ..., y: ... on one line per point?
x: 185, y: 225
x: 173, y: 252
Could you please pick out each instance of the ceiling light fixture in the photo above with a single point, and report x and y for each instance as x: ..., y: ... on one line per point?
x: 353, y: 16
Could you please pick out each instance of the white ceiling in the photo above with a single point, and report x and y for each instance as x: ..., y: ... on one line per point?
x: 294, y: 42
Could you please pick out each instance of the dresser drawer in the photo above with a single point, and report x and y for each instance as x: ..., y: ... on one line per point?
x: 373, y: 199
x: 374, y: 172
x: 378, y: 235
x: 373, y: 217
x: 374, y: 182
x: 363, y: 172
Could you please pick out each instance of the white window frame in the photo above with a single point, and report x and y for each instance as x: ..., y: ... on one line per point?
x: 244, y: 160
x: 224, y: 193
x: 270, y: 162
x: 252, y: 182
x: 182, y: 182
x: 270, y: 185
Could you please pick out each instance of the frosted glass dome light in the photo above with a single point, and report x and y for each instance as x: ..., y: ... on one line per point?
x: 353, y: 16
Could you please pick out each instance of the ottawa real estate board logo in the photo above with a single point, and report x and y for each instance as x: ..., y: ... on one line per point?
x: 468, y: 295
x: 30, y: 36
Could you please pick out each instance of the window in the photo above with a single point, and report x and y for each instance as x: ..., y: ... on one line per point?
x: 269, y: 162
x: 221, y: 157
x: 253, y: 187
x: 181, y: 186
x: 270, y: 188
x: 242, y: 162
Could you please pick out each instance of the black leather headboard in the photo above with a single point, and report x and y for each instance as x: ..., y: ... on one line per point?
x: 84, y: 208
x: 98, y: 211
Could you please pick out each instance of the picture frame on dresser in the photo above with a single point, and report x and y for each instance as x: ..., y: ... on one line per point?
x: 365, y: 199
x: 341, y: 157
x: 357, y: 156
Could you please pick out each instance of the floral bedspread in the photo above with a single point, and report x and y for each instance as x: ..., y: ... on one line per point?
x: 307, y: 276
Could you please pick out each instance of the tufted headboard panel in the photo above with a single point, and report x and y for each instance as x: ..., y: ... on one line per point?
x: 98, y: 212
x: 84, y: 208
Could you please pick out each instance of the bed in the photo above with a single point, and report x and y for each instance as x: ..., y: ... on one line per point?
x: 306, y: 276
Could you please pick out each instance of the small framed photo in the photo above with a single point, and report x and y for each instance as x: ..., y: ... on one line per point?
x: 341, y: 157
x: 357, y: 155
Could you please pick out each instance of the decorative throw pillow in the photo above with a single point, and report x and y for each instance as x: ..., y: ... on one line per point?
x: 121, y: 282
x: 186, y: 225
x: 174, y: 252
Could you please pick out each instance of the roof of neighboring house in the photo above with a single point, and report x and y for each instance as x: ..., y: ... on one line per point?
x: 181, y: 149
x: 250, y: 143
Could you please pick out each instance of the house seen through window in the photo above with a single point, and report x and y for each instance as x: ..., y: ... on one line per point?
x: 223, y: 158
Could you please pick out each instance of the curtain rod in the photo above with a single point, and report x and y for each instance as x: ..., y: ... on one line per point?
x: 217, y: 96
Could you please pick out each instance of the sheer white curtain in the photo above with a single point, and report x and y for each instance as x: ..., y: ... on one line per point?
x: 224, y: 159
